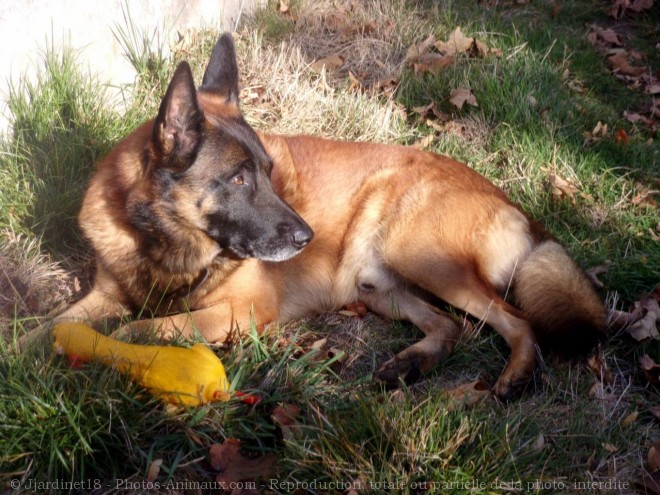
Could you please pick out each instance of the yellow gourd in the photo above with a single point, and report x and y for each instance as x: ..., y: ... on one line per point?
x: 175, y: 374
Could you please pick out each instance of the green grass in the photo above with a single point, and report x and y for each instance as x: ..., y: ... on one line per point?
x: 93, y: 424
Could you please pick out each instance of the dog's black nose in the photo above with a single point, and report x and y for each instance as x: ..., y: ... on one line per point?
x: 301, y: 237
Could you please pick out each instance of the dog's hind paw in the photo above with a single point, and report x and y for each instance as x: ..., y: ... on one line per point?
x: 396, y: 370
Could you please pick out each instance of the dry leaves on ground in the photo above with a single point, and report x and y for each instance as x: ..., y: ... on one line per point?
x: 651, y: 369
x: 646, y: 326
x: 562, y: 188
x: 233, y: 466
x: 459, y: 97
x: 466, y: 395
x: 620, y: 8
x: 422, y: 59
x: 285, y: 416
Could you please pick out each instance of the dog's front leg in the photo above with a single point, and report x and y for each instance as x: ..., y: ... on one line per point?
x: 216, y: 324
x: 94, y: 307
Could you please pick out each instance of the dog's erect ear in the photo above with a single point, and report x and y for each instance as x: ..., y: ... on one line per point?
x: 221, y: 75
x: 177, y: 130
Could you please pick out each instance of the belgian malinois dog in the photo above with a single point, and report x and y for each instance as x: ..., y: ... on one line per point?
x: 208, y: 226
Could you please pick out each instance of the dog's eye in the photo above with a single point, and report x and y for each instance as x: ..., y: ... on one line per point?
x: 238, y: 180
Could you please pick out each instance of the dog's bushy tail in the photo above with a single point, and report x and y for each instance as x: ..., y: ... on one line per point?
x: 559, y: 301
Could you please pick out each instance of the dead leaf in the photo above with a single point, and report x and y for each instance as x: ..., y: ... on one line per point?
x: 653, y: 457
x: 655, y: 410
x: 431, y: 110
x: 397, y: 396
x: 284, y: 6
x: 355, y: 84
x: 620, y: 65
x: 424, y: 142
x: 431, y: 62
x: 415, y: 51
x: 597, y: 391
x: 456, y: 43
x: 620, y: 8
x: 653, y: 88
x: 318, y: 345
x: 386, y: 87
x: 603, y: 37
x: 562, y: 188
x: 284, y: 416
x: 539, y: 443
x: 593, y: 273
x: 479, y: 48
x: 637, y: 118
x: 329, y: 64
x: 645, y: 327
x: 621, y: 136
x: 154, y: 470
x: 610, y: 448
x: 651, y: 483
x: 597, y: 365
x: 651, y: 369
x: 629, y: 419
x: 466, y: 395
x: 459, y: 97
x: 496, y: 51
x: 644, y: 197
x: 232, y: 466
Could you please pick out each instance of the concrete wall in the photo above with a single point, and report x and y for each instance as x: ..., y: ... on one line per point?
x: 27, y: 27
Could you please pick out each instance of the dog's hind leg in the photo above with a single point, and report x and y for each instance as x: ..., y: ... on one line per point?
x: 458, y: 284
x: 440, y: 334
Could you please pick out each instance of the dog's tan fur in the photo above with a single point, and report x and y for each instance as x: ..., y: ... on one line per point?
x: 394, y: 227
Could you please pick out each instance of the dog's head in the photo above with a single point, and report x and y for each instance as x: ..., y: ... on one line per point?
x: 211, y: 171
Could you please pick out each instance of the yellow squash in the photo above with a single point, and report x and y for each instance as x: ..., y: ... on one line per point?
x: 177, y: 375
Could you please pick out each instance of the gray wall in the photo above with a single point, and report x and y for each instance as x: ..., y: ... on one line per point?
x: 27, y: 27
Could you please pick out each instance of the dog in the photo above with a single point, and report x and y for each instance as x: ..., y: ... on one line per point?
x: 209, y: 227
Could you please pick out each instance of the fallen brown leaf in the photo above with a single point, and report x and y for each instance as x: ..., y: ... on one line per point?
x: 539, y: 443
x: 655, y: 411
x: 232, y: 466
x: 619, y: 64
x: 387, y: 87
x: 154, y: 470
x: 644, y: 197
x: 562, y: 188
x: 459, y: 97
x: 597, y: 391
x: 414, y: 51
x: 283, y: 7
x: 610, y: 448
x: 424, y: 142
x: 620, y: 8
x: 621, y: 136
x: 597, y: 365
x: 651, y: 483
x: 593, y: 273
x: 653, y: 457
x: 629, y: 419
x: 284, y: 416
x: 456, y: 43
x: 431, y: 62
x: 651, y: 369
x: 645, y: 327
x: 479, y: 48
x: 603, y: 37
x: 466, y: 395
x: 329, y: 64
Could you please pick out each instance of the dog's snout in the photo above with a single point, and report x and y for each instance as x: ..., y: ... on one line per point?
x: 299, y: 235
